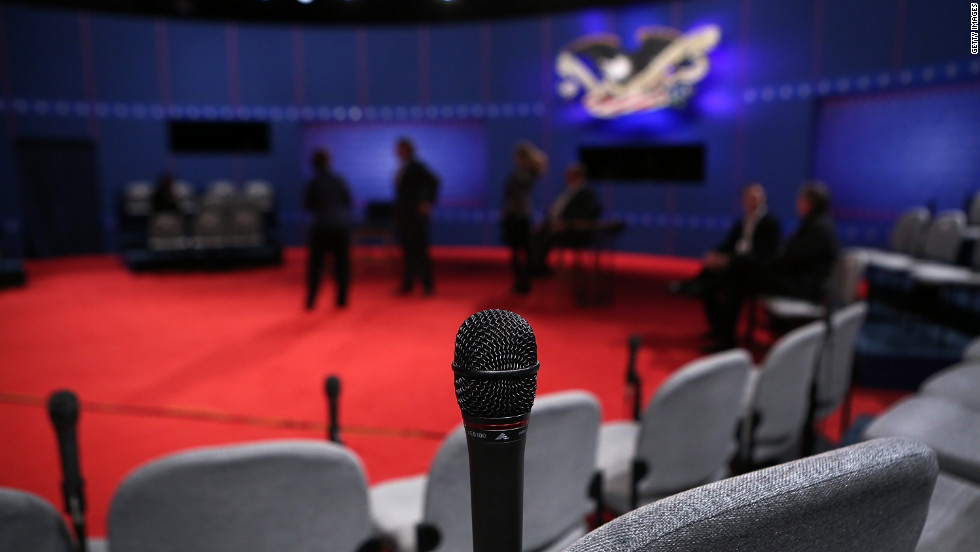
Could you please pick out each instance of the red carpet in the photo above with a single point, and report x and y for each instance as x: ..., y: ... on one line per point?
x: 163, y: 362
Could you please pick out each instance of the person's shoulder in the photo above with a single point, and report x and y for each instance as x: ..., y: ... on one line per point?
x: 770, y: 219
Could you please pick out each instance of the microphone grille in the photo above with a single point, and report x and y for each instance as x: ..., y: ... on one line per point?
x: 332, y: 386
x: 491, y: 341
x: 63, y: 408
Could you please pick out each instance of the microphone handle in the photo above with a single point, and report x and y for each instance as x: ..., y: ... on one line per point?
x: 334, y: 428
x: 497, y: 488
x: 72, y: 485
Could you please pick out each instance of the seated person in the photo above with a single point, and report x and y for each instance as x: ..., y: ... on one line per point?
x: 164, y: 198
x: 571, y: 219
x: 752, y: 238
x: 800, y: 268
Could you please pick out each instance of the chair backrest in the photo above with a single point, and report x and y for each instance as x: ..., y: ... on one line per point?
x: 942, y: 241
x: 185, y: 193
x: 781, y: 392
x: 973, y: 215
x: 28, y: 523
x: 845, y: 278
x: 259, y: 194
x: 837, y: 358
x: 137, y: 198
x: 277, y: 495
x: 220, y: 193
x: 869, y: 496
x: 972, y: 349
x: 976, y: 256
x: 686, y: 430
x: 210, y: 229
x: 909, y: 231
x: 559, y: 461
x: 165, y: 225
x: 165, y: 231
x: 244, y: 220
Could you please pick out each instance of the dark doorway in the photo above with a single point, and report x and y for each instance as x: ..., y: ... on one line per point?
x: 61, y: 197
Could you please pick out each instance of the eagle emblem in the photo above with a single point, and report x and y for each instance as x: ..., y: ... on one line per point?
x: 661, y: 72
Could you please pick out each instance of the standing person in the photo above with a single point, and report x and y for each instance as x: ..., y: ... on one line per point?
x: 529, y: 164
x: 328, y: 200
x: 800, y: 268
x: 416, y: 189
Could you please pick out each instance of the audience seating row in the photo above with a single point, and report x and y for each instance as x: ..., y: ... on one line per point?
x: 278, y: 495
x: 932, y: 272
x: 137, y: 199
x: 304, y: 496
x: 225, y: 225
x: 945, y: 415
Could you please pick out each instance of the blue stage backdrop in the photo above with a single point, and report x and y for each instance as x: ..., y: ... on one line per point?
x: 882, y: 153
x: 364, y: 154
x: 862, y: 94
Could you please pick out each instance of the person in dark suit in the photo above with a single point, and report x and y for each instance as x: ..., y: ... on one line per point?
x: 571, y: 219
x: 751, y: 240
x: 164, y: 199
x: 328, y: 199
x: 800, y: 268
x: 529, y: 164
x: 416, y: 189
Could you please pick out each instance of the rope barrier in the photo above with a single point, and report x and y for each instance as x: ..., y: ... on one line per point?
x: 201, y: 414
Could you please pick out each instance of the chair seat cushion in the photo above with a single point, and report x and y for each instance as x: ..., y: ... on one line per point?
x: 788, y: 307
x: 951, y: 525
x: 617, y: 448
x: 949, y: 428
x: 937, y: 274
x: 959, y: 383
x: 885, y: 260
x: 396, y: 508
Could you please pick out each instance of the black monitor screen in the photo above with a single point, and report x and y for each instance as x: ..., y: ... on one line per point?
x: 203, y: 137
x: 645, y: 164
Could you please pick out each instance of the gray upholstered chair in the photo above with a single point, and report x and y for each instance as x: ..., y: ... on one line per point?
x: 28, y: 523
x: 275, y: 495
x: 870, y: 496
x: 186, y: 198
x: 165, y: 231
x: 905, y: 241
x: 221, y: 194
x: 951, y: 525
x: 137, y: 198
x: 245, y: 226
x: 833, y: 380
x: 972, y: 349
x: 210, y: 229
x: 940, y: 244
x: 946, y: 426
x: 909, y: 231
x: 778, y: 398
x: 842, y: 289
x: 684, y: 438
x: 259, y: 194
x: 433, y: 512
x: 959, y: 383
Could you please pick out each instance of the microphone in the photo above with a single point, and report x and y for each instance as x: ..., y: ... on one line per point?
x: 633, y: 383
x: 495, y: 369
x: 332, y: 386
x: 63, y: 410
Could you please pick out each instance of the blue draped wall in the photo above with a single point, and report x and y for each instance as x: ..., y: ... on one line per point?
x: 784, y: 74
